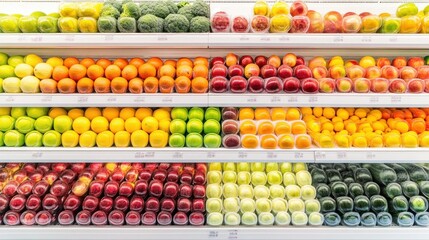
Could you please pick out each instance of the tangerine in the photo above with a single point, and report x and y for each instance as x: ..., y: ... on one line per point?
x: 182, y: 84
x: 70, y: 61
x: 95, y: 71
x: 60, y: 72
x: 77, y: 71
x: 150, y: 85
x: 102, y: 85
x: 166, y: 84
x: 120, y: 62
x: 66, y: 85
x: 119, y: 85
x: 129, y: 72
x: 112, y: 71
x: 135, y: 85
x: 85, y: 85
x: 200, y: 85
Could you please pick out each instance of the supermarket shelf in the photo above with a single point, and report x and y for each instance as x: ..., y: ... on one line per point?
x: 215, y: 100
x: 103, y: 100
x: 200, y: 233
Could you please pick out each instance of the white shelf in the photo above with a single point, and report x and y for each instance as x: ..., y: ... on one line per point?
x: 200, y: 233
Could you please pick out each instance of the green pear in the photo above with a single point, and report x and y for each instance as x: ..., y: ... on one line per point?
x: 13, y: 138
x: 33, y: 139
x: 51, y: 138
x: 63, y: 123
x: 36, y: 112
x: 6, y: 123
x: 24, y: 124
x: 43, y: 124
x: 17, y: 112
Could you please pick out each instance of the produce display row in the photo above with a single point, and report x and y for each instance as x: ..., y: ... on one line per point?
x: 216, y: 194
x: 222, y: 74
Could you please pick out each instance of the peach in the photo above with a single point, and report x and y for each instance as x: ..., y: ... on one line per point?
x: 344, y: 85
x: 298, y: 8
x: 351, y: 23
x: 337, y: 60
x: 333, y: 21
x: 373, y: 72
x: 415, y: 62
x: 410, y: 24
x: 251, y: 70
x: 381, y: 62
x: 290, y: 60
x: 416, y: 85
x: 399, y: 62
x: 379, y: 85
x: 319, y: 72
x: 327, y: 85
x: 337, y: 72
x: 317, y: 62
x: 231, y: 59
x: 350, y: 63
x: 389, y: 72
x: 367, y: 62
x: 300, y: 24
x: 397, y: 86
x: 361, y: 85
x: 317, y: 23
x: 355, y: 71
x: 408, y: 73
x: 274, y: 60
x: 370, y: 23
x: 423, y: 72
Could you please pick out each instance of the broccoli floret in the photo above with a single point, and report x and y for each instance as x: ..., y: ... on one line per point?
x: 114, y: 3
x: 199, y: 25
x: 161, y: 9
x: 110, y: 11
x: 126, y: 1
x: 127, y: 25
x: 187, y: 12
x: 130, y: 10
x: 107, y: 25
x: 150, y: 24
x: 182, y: 4
x: 200, y: 8
x: 147, y: 8
x: 176, y: 23
x: 171, y: 6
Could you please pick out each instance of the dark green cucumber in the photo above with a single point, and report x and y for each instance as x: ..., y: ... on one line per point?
x: 327, y: 204
x: 351, y: 219
x: 378, y: 204
x: 392, y: 190
x: 362, y: 204
x: 401, y: 172
x: 422, y: 219
x: 322, y: 190
x: 398, y: 204
x: 345, y: 204
x: 326, y: 166
x: 347, y: 176
x: 371, y: 189
x: 356, y: 189
x: 318, y: 176
x: 416, y: 172
x: 339, y: 189
x: 352, y: 166
x: 333, y: 175
x: 368, y: 219
x: 384, y: 219
x: 424, y: 188
x: 418, y: 204
x: 426, y: 168
x: 332, y: 219
x: 362, y: 175
x: 410, y: 189
x: 339, y: 167
x: 404, y: 219
x: 382, y: 173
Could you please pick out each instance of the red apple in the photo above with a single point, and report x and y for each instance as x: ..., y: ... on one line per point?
x: 71, y: 203
x: 20, y: 176
x: 138, y: 166
x: 148, y: 218
x: 141, y: 187
x: 59, y: 188
x: 126, y: 189
x: 327, y: 85
x: 116, y: 218
x: 238, y: 84
x: 25, y: 187
x: 416, y: 85
x: 50, y: 177
x: 229, y: 113
x: 90, y: 203
x: 77, y: 167
x: 96, y: 188
x: 160, y: 175
x: 300, y: 24
x: 168, y: 204
x: 36, y: 176
x: 184, y: 205
x: 68, y: 176
x: 132, y: 218
x: 415, y: 62
x: 4, y: 202
x: 261, y: 61
x: 136, y: 203
x: 381, y: 62
x: 302, y: 72
x: 273, y: 85
x: 300, y: 60
x: 298, y: 8
x: 28, y: 218
x: 59, y: 167
x: 132, y: 175
x: 198, y: 205
x: 172, y: 175
x: 180, y: 218
x: 196, y: 219
x: 397, y: 86
x: 106, y: 204
x: 33, y: 203
x: 219, y: 70
x: 284, y: 71
x: 199, y: 178
x: 236, y: 70
x: 171, y: 190
x: 186, y: 178
x: 102, y: 175
x: 83, y: 217
x: 111, y: 189
x: 45, y: 167
x: 11, y: 218
x: 310, y: 85
x: 29, y: 167
x: 66, y: 217
x: 156, y: 188
x: 199, y: 191
x: 99, y: 218
x: 164, y: 218
x: 152, y: 204
x: 117, y: 175
x: 39, y: 189
x: 231, y: 141
x: 245, y: 60
x: 399, y: 62
x: 17, y: 203
x: 121, y: 203
x: 291, y: 85
x: 185, y: 190
x: 50, y: 202
x: 44, y: 218
x: 255, y: 84
x: 219, y: 85
x: 217, y: 60
x: 268, y: 71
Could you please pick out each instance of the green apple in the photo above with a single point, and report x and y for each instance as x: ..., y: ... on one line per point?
x: 215, y: 219
x: 13, y: 138
x: 54, y: 15
x: 6, y: 123
x: 266, y: 219
x: 213, y: 205
x: 17, y: 112
x: 43, y: 124
x: 213, y: 190
x: 269, y: 167
x: 24, y: 124
x: 257, y: 167
x: 296, y: 205
x: 194, y: 140
x: 1, y: 139
x: 303, y: 178
x: 274, y: 177
x: 308, y: 192
x: 213, y: 113
x: 194, y: 126
x: 299, y: 219
x: 285, y: 167
x: 293, y: 191
x: 277, y: 191
x: 87, y: 139
x: 211, y: 126
x: 196, y: 113
x: 178, y: 126
x: 15, y: 60
x: 176, y: 140
x: 12, y: 85
x: 63, y: 123
x: 279, y: 205
x: 245, y: 191
x: 282, y: 219
x: 179, y: 113
x: 70, y: 138
x: 36, y: 112
x: 30, y: 84
x: 231, y: 204
x: 259, y: 178
x: 33, y: 139
x: 228, y: 166
x: 243, y: 178
x: 214, y: 177
x: 232, y: 219
x: 23, y: 70
x: 247, y: 205
x: 289, y: 179
x: 243, y: 167
x: 316, y: 219
x: 230, y: 190
x: 51, y: 138
x: 249, y: 219
x: 263, y: 205
x: 212, y: 140
x: 311, y: 206
x: 261, y: 191
x: 229, y: 177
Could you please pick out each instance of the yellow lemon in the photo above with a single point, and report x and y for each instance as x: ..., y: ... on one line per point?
x: 81, y: 125
x: 161, y: 113
x: 116, y: 125
x: 87, y: 139
x: 55, y: 61
x: 99, y: 124
x: 105, y: 139
x: 158, y: 139
x: 70, y: 139
x: 133, y: 124
x: 150, y: 124
x: 122, y: 139
x: 139, y: 138
x: 164, y: 125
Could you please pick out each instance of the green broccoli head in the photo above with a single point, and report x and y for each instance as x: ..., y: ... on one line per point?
x: 171, y: 6
x: 147, y: 8
x: 187, y: 12
x: 200, y: 8
x: 161, y: 9
x: 127, y: 25
x: 199, y: 25
x: 130, y: 10
x: 110, y: 11
x: 107, y: 25
x: 176, y: 23
x: 116, y: 4
x: 182, y: 4
x: 150, y: 24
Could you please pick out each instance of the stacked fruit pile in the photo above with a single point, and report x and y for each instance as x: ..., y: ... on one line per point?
x: 103, y: 194
x: 372, y: 194
x: 108, y: 127
x: 278, y: 193
x: 291, y: 74
x: 264, y: 128
x: 30, y: 74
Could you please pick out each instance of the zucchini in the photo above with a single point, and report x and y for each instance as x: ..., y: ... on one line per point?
x: 362, y: 204
x: 398, y: 204
x: 404, y: 219
x: 382, y: 173
x: 378, y: 204
x: 371, y: 189
x: 327, y: 204
x: 322, y: 190
x: 339, y: 167
x: 356, y: 189
x: 318, y: 176
x: 401, y: 172
x: 422, y: 219
x: 339, y: 189
x: 392, y: 190
x: 424, y: 188
x: 384, y: 219
x: 418, y: 204
x: 410, y: 189
x: 368, y: 219
x: 345, y: 204
x: 416, y: 172
x: 347, y: 176
x: 351, y: 219
x: 362, y: 175
x: 333, y: 175
x: 332, y: 219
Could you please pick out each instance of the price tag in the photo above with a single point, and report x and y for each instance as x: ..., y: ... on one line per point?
x: 69, y: 38
x: 10, y: 99
x: 46, y: 99
x: 292, y: 99
x: 366, y: 39
x: 341, y: 155
x: 284, y: 39
x: 312, y: 99
x: 374, y: 99
x: 338, y: 39
x: 275, y: 99
x: 211, y: 155
x: 299, y: 155
x: 163, y: 38
x: 82, y: 99
x: 265, y: 39
x: 139, y: 100
x: 244, y: 38
x: 271, y: 155
x: 178, y: 155
x: 396, y: 99
x: 37, y: 39
x: 109, y: 38
x: 213, y: 234
x: 37, y: 155
x: 393, y: 39
x: 251, y: 99
x: 22, y: 39
x: 370, y: 156
x: 139, y: 155
x: 167, y: 99
x: 111, y: 99
x: 320, y: 156
x: 232, y: 234
x: 242, y: 155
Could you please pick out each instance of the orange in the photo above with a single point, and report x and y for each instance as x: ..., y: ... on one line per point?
x: 87, y: 62
x: 200, y: 85
x: 200, y: 70
x: 85, y: 85
x: 141, y: 113
x: 185, y: 61
x: 119, y: 85
x: 265, y: 127
x: 56, y: 111
x: 112, y: 71
x: 110, y: 113
x: 167, y: 70
x: 201, y: 61
x: 247, y: 127
x: 60, y: 72
x: 286, y: 141
x: 48, y: 86
x: 150, y: 85
x: 137, y: 62
x: 102, y: 85
x: 166, y: 84
x: 156, y: 62
x: 75, y: 113
x: 170, y: 62
x: 66, y: 85
x: 184, y: 70
x: 135, y: 85
x: 282, y: 127
x: 299, y: 127
x: 126, y: 113
x: 92, y: 113
x: 103, y: 62
x: 182, y: 84
x: 246, y: 113
x: 95, y: 71
x: 147, y: 70
x: 262, y: 113
x: 70, y: 61
x: 120, y: 62
x: 129, y: 72
x: 268, y: 141
x: 77, y: 71
x: 303, y: 142
x: 249, y: 141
